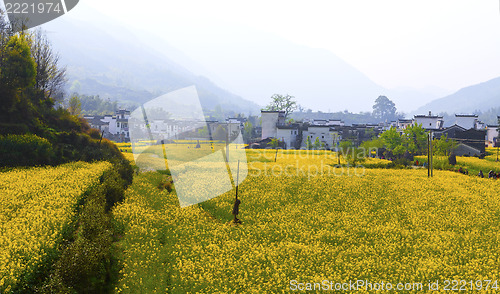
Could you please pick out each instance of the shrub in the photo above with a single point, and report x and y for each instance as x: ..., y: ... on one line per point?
x: 166, y: 183
x: 25, y: 150
x: 86, y: 263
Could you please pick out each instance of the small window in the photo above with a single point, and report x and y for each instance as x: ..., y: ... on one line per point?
x: 322, y: 137
x: 430, y: 124
x: 118, y: 124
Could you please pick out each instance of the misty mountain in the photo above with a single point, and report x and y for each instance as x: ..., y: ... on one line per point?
x: 477, y: 98
x: 104, y: 58
x: 256, y: 64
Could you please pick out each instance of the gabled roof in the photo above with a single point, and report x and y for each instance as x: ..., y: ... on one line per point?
x: 427, y: 116
x: 319, y: 126
x: 466, y: 115
x: 455, y: 126
x: 96, y: 121
x: 272, y: 111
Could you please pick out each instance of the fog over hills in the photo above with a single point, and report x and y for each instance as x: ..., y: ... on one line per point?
x: 481, y: 97
x: 108, y: 60
x: 236, y: 67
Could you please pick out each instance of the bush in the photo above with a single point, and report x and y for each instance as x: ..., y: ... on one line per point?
x: 11, y: 128
x: 25, y: 150
x: 166, y: 183
x: 86, y: 263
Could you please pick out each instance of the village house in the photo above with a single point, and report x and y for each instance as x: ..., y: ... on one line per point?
x: 114, y: 127
x: 492, y: 136
x: 429, y: 122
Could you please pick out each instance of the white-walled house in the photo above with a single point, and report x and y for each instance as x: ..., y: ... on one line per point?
x: 326, y: 122
x: 270, y: 121
x: 322, y: 133
x: 115, y: 127
x: 288, y: 135
x: 403, y: 123
x: 466, y: 121
x: 429, y: 122
x: 492, y: 136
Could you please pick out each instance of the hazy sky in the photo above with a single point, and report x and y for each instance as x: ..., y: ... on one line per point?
x: 447, y: 44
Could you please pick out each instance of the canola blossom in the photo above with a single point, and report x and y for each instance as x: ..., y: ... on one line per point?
x: 35, y: 204
x: 377, y: 225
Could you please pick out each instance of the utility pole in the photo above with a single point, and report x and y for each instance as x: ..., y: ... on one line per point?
x: 227, y: 143
x: 428, y: 156
x: 432, y: 156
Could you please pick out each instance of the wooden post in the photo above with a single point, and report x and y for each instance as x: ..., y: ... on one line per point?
x: 429, y: 155
x: 237, y: 202
x: 432, y: 158
x: 227, y: 143
x: 237, y: 179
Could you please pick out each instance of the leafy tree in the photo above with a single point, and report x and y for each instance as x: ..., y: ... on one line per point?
x: 384, y: 108
x: 203, y: 132
x: 373, y: 145
x: 415, y: 139
x: 308, y: 143
x: 75, y: 106
x: 284, y: 103
x: 274, y: 143
x: 247, y: 131
x: 220, y: 133
x: 18, y: 71
x: 351, y: 154
x: 317, y: 144
x: 443, y: 146
x: 392, y: 139
x: 94, y: 105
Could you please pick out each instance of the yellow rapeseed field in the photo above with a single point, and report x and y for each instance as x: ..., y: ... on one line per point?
x: 305, y: 221
x: 35, y: 204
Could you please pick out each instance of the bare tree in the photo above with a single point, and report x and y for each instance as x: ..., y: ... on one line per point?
x: 5, y: 33
x: 50, y: 78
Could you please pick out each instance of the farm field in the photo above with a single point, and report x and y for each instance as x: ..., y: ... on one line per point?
x: 35, y: 205
x: 472, y: 164
x: 302, y: 223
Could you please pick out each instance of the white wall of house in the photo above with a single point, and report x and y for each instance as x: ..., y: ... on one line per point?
x: 270, y: 120
x: 287, y: 135
x: 322, y: 133
x: 429, y: 122
x: 404, y: 123
x: 491, y: 135
x: 466, y: 121
x: 112, y: 124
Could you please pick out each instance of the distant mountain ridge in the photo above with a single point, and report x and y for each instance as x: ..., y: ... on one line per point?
x: 480, y: 97
x: 105, y: 59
